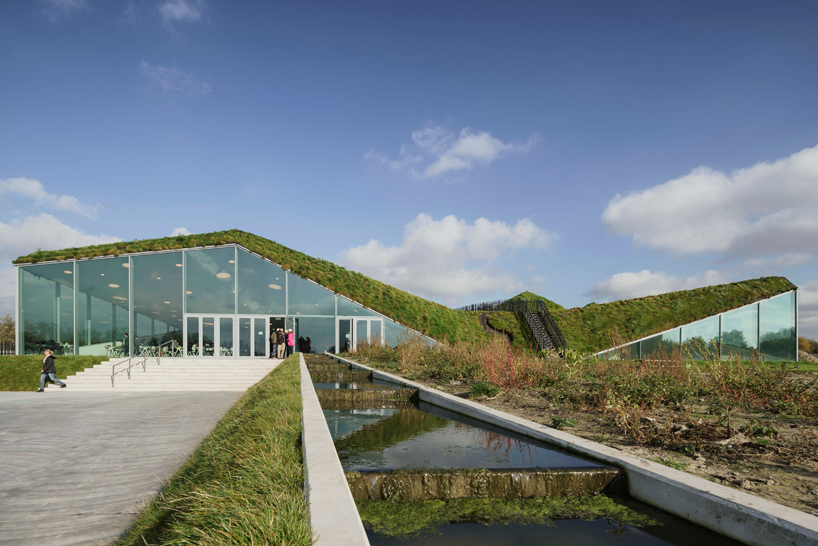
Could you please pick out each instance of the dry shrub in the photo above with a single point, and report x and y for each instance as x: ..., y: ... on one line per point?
x: 508, y: 367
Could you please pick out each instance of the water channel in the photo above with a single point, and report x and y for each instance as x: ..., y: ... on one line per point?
x: 423, y: 475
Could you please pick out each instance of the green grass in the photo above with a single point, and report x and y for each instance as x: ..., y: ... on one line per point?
x: 532, y: 297
x: 22, y: 373
x: 244, y: 484
x: 597, y: 327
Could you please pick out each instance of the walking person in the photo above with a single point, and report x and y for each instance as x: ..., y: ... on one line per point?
x: 290, y: 342
x: 49, y: 371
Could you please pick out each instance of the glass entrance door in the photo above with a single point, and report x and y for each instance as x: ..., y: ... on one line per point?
x: 254, y: 335
x: 209, y: 335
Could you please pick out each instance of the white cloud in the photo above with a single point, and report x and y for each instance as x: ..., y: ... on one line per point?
x: 766, y: 208
x: 181, y: 11
x: 436, y: 151
x: 637, y: 284
x: 21, y: 237
x: 33, y: 189
x: 180, y: 231
x: 808, y: 310
x: 131, y: 14
x: 448, y: 259
x: 173, y: 79
x: 56, y: 10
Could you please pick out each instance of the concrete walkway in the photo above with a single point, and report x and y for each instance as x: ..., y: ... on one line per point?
x: 76, y: 468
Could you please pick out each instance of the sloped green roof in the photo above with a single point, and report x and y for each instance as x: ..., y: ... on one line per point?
x: 553, y: 307
x: 589, y: 329
x: 430, y: 318
x: 596, y: 327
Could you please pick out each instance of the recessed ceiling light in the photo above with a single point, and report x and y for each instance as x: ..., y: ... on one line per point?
x: 223, y: 275
x: 113, y: 286
x: 102, y: 274
x: 188, y: 292
x: 158, y: 278
x: 274, y: 286
x: 121, y: 298
x: 126, y: 264
x: 231, y: 261
x: 178, y: 265
x: 167, y: 302
x: 67, y: 272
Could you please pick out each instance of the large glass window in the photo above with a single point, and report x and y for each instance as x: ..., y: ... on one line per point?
x: 347, y: 308
x: 393, y: 333
x: 261, y: 286
x: 307, y: 298
x: 662, y: 345
x: 210, y: 277
x: 777, y: 327
x: 314, y: 334
x: 701, y: 338
x: 102, y: 306
x: 739, y: 331
x: 157, y: 298
x: 47, y: 308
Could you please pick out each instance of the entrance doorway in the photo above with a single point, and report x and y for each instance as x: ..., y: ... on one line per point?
x: 209, y: 335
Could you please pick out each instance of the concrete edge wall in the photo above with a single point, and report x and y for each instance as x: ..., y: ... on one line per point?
x: 730, y: 512
x: 333, y: 515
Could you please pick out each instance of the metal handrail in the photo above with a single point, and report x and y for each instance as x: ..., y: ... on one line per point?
x: 144, y: 362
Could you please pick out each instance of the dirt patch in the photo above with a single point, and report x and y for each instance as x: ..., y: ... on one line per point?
x: 775, y: 457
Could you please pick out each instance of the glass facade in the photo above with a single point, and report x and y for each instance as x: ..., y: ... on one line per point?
x: 102, y: 306
x: 222, y: 301
x: 46, y: 299
x: 766, y: 328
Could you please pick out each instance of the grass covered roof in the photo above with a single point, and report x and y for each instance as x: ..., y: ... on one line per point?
x: 590, y: 328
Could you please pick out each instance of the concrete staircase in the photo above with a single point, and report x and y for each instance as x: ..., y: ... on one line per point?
x: 171, y: 374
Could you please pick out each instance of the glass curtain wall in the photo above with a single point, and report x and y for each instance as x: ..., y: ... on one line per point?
x: 119, y: 306
x: 102, y: 306
x: 261, y: 286
x: 767, y: 327
x: 777, y: 326
x: 701, y: 339
x: 46, y: 318
x: 210, y: 281
x: 739, y: 332
x: 157, y: 299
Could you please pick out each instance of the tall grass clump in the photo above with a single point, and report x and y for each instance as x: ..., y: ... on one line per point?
x: 244, y: 485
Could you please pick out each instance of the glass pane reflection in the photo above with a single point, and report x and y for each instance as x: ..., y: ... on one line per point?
x: 210, y: 277
x: 777, y: 327
x: 307, y: 298
x: 739, y: 332
x: 102, y: 305
x: 261, y: 286
x: 701, y: 338
x: 47, y: 308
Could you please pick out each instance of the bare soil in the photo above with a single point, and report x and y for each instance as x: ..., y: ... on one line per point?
x: 780, y: 467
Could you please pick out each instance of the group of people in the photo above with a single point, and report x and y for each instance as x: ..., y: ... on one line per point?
x: 281, y: 343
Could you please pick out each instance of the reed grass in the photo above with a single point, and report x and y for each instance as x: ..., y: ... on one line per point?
x: 244, y: 485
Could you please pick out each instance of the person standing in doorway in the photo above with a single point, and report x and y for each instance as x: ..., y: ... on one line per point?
x: 282, y: 342
x: 290, y: 342
x: 49, y: 371
x: 273, y: 343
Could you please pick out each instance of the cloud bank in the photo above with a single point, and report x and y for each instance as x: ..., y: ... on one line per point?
x: 34, y: 190
x: 765, y: 208
x: 448, y: 259
x: 436, y: 151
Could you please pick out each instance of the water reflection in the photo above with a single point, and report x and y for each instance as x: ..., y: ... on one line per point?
x: 413, y: 439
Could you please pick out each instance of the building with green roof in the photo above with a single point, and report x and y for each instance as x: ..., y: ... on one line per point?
x: 224, y: 293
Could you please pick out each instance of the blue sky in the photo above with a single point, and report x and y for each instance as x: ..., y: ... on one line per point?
x: 463, y: 151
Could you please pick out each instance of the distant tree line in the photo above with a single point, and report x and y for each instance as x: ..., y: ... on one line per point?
x: 7, y: 329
